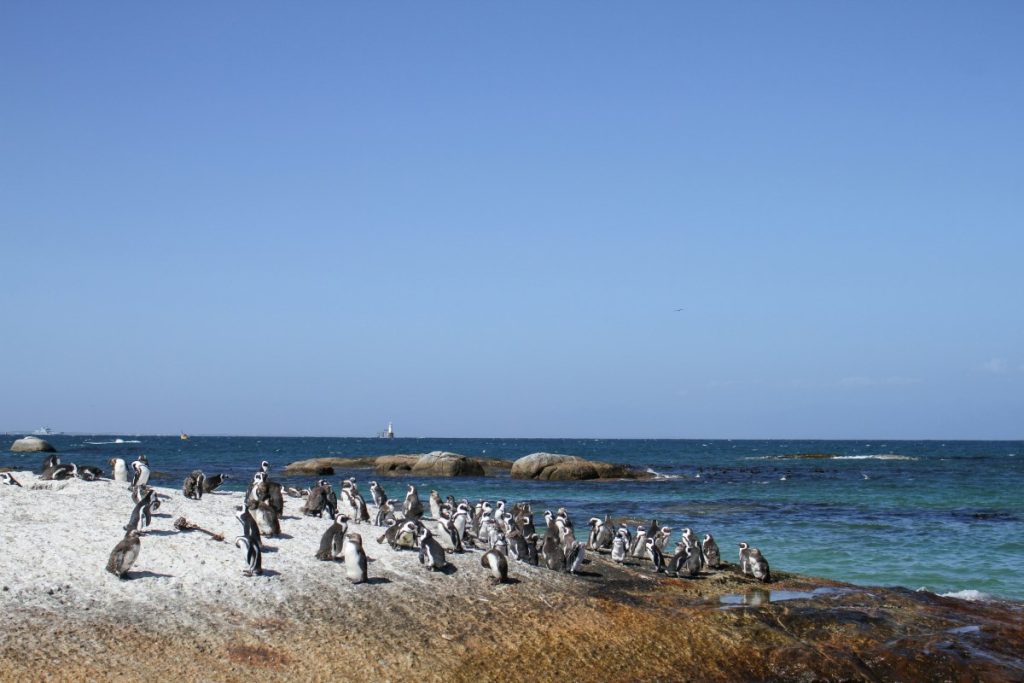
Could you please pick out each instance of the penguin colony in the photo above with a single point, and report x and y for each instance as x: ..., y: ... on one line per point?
x: 505, y: 534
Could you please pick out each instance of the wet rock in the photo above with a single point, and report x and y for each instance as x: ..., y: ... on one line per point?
x: 557, y: 467
x: 32, y: 444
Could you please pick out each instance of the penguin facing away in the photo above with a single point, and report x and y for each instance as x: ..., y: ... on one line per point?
x: 497, y: 564
x: 619, y: 548
x: 744, y: 558
x: 333, y: 540
x: 709, y: 549
x: 124, y: 554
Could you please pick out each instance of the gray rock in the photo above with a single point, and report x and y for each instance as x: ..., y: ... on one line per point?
x: 557, y: 467
x: 32, y: 444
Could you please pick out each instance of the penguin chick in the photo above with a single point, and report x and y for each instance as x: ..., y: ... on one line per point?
x: 759, y: 566
x: 124, y: 554
x: 354, y: 558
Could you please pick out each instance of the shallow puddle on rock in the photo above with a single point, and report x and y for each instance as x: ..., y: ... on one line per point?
x: 760, y: 596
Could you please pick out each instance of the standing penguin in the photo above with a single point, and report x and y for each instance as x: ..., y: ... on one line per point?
x: 759, y: 566
x: 435, y: 504
x: 431, y: 552
x: 656, y: 557
x: 124, y: 554
x: 745, y: 558
x: 249, y: 528
x: 552, y: 554
x: 412, y: 507
x: 497, y: 564
x: 639, y: 548
x: 574, y: 553
x: 253, y: 556
x: 267, y: 519
x: 120, y: 470
x: 710, y: 552
x: 333, y: 540
x: 354, y: 558
x: 193, y: 486
x: 141, y: 514
x: 619, y: 548
x: 685, y: 563
x: 140, y: 472
x: 213, y: 482
x: 379, y: 495
x: 50, y: 461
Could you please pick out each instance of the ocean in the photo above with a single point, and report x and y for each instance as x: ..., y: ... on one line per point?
x: 944, y: 516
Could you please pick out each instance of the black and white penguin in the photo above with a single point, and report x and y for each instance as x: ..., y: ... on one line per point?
x: 119, y: 469
x: 377, y: 492
x: 619, y: 548
x: 213, y: 482
x: 412, y: 507
x: 333, y: 540
x: 745, y: 558
x: 50, y: 461
x: 655, y: 554
x: 685, y: 563
x: 253, y: 556
x: 249, y: 528
x: 435, y: 504
x: 267, y: 519
x: 759, y: 566
x: 192, y: 487
x: 431, y: 552
x: 639, y: 548
x: 89, y: 472
x: 518, y: 549
x: 330, y: 499
x: 316, y: 502
x: 497, y: 564
x: 354, y: 558
x: 140, y: 473
x: 385, y: 512
x: 60, y: 471
x: 448, y: 531
x: 662, y: 537
x: 124, y: 554
x: 600, y: 534
x: 141, y: 514
x: 8, y: 478
x: 709, y: 551
x: 265, y: 468
x: 574, y: 553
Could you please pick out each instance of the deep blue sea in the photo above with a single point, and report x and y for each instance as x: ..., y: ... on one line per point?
x: 946, y: 516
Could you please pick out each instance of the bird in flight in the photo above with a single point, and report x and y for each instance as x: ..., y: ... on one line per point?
x: 680, y: 309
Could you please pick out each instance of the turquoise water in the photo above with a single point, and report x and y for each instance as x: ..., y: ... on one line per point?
x: 947, y: 516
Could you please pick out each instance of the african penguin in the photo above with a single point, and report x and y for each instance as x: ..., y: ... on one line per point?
x: 744, y: 558
x: 193, y: 486
x: 140, y: 473
x: 253, y: 556
x: 8, y: 478
x: 710, y: 552
x: 497, y: 564
x: 213, y: 482
x: 431, y: 552
x: 378, y: 494
x: 333, y: 539
x: 120, y: 469
x: 124, y: 554
x: 656, y: 557
x: 412, y: 507
x: 249, y: 528
x: 355, y: 558
x: 759, y: 566
x: 141, y: 514
x: 574, y: 557
x: 619, y: 548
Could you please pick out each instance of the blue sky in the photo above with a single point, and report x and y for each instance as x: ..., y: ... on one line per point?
x: 479, y: 219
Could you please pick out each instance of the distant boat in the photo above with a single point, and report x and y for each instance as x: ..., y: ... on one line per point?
x: 389, y: 433
x: 184, y: 436
x: 45, y: 431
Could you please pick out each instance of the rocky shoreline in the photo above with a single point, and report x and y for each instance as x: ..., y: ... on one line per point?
x: 189, y: 613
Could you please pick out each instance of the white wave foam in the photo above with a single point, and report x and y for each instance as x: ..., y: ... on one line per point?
x: 970, y: 595
x: 659, y: 475
x: 116, y: 441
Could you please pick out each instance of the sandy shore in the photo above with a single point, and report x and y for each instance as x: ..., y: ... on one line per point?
x: 189, y: 612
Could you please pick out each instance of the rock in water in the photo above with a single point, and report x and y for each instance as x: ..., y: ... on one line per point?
x: 441, y: 464
x: 32, y: 444
x: 556, y: 467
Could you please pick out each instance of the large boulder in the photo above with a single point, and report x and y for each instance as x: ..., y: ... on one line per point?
x: 322, y: 467
x: 32, y: 444
x: 557, y: 467
x: 396, y: 464
x: 442, y: 464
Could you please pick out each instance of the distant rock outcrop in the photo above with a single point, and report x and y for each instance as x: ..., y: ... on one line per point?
x: 32, y: 444
x: 435, y: 464
x: 557, y: 467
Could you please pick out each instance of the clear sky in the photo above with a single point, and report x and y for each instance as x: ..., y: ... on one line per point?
x: 479, y: 219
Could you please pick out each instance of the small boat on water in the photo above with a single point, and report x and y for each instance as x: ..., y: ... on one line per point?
x: 389, y: 433
x: 184, y: 436
x: 44, y: 431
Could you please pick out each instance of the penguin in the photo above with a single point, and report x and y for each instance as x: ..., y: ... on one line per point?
x: 574, y: 557
x: 662, y: 537
x: 124, y: 554
x: 497, y: 564
x: 359, y: 504
x: 391, y: 534
x: 431, y: 552
x: 384, y: 512
x: 59, y: 472
x: 89, y: 473
x: 517, y: 546
x: 744, y: 558
x: 193, y: 485
x: 154, y: 503
x: 450, y: 533
x: 253, y: 556
x: 213, y: 482
x: 8, y: 478
x: 249, y: 528
x: 333, y: 540
x: 685, y: 563
x: 316, y: 502
x: 623, y: 530
x: 552, y: 554
x: 120, y: 470
x: 690, y: 538
x: 656, y: 557
x: 600, y: 534
x: 435, y: 504
x: 639, y: 547
x: 709, y: 551
x: 267, y: 519
x: 330, y: 500
x: 354, y: 558
x: 140, y: 473
x: 759, y: 566
x: 619, y: 548
x: 141, y: 514
x: 532, y: 555
x: 377, y: 492
x: 50, y: 461
x: 412, y: 507
x: 265, y: 468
